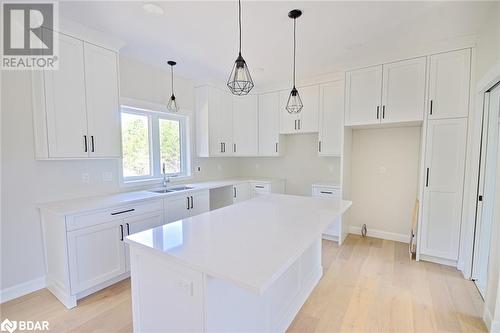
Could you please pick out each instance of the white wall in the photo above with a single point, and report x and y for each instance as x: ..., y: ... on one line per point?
x: 300, y: 165
x: 385, y: 164
x: 26, y: 182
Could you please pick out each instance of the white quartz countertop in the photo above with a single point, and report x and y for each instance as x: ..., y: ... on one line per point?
x: 250, y: 244
x: 80, y: 205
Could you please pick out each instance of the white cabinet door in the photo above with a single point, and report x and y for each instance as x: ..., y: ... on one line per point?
x: 443, y: 188
x: 245, y: 125
x: 288, y: 121
x: 269, y: 124
x: 200, y: 203
x: 308, y: 116
x: 363, y: 96
x: 101, y: 77
x: 241, y: 192
x: 449, y: 84
x: 403, y: 93
x: 214, y: 132
x: 177, y: 208
x: 65, y: 102
x: 225, y: 120
x: 96, y: 255
x: 331, y: 119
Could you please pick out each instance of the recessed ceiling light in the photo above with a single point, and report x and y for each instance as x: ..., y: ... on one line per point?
x: 153, y: 9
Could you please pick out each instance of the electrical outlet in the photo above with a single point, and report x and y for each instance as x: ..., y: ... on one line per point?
x: 107, y: 176
x: 85, y: 178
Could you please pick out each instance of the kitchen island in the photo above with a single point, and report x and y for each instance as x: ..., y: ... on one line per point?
x: 245, y: 267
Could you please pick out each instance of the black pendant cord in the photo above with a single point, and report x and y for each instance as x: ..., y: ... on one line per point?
x: 172, y: 78
x: 294, y: 48
x: 239, y: 21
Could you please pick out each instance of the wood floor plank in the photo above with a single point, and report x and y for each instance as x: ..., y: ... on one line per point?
x: 368, y: 285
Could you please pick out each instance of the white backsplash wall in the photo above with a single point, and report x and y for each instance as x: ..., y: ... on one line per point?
x: 385, y: 163
x: 300, y: 166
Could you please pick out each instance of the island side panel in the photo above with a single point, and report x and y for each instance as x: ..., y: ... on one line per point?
x: 166, y: 296
x: 230, y: 308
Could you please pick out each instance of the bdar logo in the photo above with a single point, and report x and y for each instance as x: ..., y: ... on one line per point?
x: 9, y: 326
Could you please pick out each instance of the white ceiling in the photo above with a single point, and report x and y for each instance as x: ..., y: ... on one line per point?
x: 202, y: 36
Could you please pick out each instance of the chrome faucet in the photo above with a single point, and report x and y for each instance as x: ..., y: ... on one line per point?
x: 166, y: 179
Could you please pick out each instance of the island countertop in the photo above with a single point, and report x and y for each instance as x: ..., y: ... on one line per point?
x: 250, y: 244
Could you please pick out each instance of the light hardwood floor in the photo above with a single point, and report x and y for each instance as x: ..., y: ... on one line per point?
x: 369, y: 285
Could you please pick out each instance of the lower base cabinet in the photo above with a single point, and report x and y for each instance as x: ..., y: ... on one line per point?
x: 183, y: 206
x: 338, y: 230
x: 241, y: 192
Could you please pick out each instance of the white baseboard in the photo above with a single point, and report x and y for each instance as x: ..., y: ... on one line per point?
x: 492, y: 326
x: 21, y: 289
x: 381, y: 234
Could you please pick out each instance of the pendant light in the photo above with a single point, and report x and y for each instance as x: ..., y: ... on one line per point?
x: 294, y: 104
x: 172, y: 105
x: 240, y: 82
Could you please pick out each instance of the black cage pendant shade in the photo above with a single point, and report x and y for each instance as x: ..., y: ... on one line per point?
x: 294, y: 104
x: 240, y: 81
x: 172, y: 105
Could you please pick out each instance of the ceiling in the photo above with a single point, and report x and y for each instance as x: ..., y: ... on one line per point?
x: 331, y: 36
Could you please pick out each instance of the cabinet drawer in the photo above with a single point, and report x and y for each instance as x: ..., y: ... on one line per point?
x: 260, y: 188
x: 327, y: 192
x: 105, y: 215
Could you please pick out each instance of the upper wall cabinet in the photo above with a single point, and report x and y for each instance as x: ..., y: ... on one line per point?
x: 331, y: 118
x: 363, y: 90
x: 269, y: 124
x: 389, y: 93
x: 306, y: 121
x: 245, y: 125
x: 76, y: 108
x: 449, y: 84
x: 214, y: 122
x: 403, y: 91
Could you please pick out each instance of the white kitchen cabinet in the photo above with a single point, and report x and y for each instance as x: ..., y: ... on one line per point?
x: 179, y: 207
x: 449, y: 84
x: 306, y: 121
x: 443, y: 189
x: 103, y: 114
x: 338, y: 229
x: 270, y: 143
x: 241, y: 192
x: 85, y: 251
x: 258, y: 188
x: 96, y: 255
x: 76, y: 108
x: 403, y: 91
x: 214, y: 122
x: 245, y: 125
x: 62, y: 100
x: 363, y: 96
x: 331, y: 118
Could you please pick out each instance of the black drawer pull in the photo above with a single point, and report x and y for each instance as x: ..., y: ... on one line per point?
x: 123, y: 211
x: 192, y: 202
x: 326, y: 192
x: 121, y: 232
x: 259, y: 186
x: 128, y: 229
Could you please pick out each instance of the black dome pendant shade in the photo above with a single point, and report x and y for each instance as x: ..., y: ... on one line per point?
x: 240, y: 82
x: 172, y: 105
x: 294, y: 104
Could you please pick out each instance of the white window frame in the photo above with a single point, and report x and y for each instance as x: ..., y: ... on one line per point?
x: 155, y: 113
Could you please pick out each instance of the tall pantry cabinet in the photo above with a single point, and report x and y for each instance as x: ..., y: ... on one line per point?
x: 445, y: 154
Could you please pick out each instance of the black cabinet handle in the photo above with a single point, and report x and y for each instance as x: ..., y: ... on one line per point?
x: 192, y: 202
x: 128, y: 229
x: 299, y: 123
x: 431, y: 108
x: 378, y: 111
x: 85, y: 143
x: 427, y: 178
x: 234, y: 147
x: 92, y: 141
x: 276, y: 147
x: 383, y: 112
x: 319, y: 144
x: 259, y: 186
x: 123, y: 211
x: 295, y: 124
x: 325, y: 192
x: 121, y: 232
x: 224, y: 147
x: 234, y: 190
x: 187, y: 202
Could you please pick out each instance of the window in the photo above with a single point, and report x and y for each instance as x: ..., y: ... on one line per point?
x: 152, y: 142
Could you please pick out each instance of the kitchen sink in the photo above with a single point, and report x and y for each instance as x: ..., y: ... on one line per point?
x: 171, y: 189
